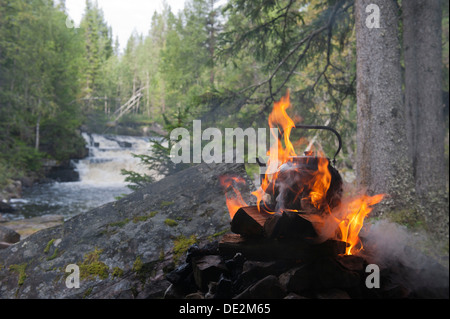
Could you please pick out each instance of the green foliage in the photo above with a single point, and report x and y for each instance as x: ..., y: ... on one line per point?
x: 24, y: 157
x: 6, y: 173
x: 224, y: 65
x: 306, y: 46
x: 98, y: 48
x: 137, y: 180
x: 39, y: 69
x: 159, y: 161
x: 69, y: 143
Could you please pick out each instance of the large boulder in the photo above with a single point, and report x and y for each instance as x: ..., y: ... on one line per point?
x: 122, y: 249
x: 8, y: 235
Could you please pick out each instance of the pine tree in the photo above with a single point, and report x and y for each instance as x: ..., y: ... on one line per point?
x: 98, y: 48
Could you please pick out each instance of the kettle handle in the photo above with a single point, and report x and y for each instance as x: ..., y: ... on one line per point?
x: 311, y: 127
x: 322, y: 127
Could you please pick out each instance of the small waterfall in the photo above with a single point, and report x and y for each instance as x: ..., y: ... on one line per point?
x: 100, y: 181
x: 108, y: 155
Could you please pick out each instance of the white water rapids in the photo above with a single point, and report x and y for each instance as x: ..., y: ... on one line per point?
x: 100, y: 181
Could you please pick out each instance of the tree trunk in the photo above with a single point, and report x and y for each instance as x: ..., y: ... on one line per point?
x: 422, y: 44
x: 423, y: 92
x: 212, y: 39
x: 37, y: 142
x: 383, y: 164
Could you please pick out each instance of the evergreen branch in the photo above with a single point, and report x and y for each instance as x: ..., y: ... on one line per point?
x: 305, y: 41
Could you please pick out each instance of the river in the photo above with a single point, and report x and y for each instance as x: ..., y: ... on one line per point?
x: 100, y: 181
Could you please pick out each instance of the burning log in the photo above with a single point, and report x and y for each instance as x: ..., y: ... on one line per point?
x: 248, y: 221
x: 288, y: 225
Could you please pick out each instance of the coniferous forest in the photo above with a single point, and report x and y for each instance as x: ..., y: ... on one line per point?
x: 226, y: 65
x: 129, y: 220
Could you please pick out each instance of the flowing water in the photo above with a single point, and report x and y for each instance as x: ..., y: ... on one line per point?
x: 100, y: 181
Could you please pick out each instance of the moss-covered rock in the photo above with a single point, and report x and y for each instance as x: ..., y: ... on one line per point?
x: 181, y: 245
x: 92, y: 267
x: 122, y: 248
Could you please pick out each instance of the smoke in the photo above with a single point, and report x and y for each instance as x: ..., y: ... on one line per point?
x: 407, y: 259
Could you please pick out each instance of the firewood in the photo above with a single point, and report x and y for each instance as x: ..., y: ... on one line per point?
x: 207, y: 268
x: 264, y: 249
x: 288, y: 225
x: 248, y: 221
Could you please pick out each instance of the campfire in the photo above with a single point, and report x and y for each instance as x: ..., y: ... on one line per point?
x: 300, y: 239
x: 302, y: 196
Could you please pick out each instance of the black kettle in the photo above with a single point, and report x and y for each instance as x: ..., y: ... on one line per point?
x: 291, y: 190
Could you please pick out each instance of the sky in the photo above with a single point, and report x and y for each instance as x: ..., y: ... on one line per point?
x: 124, y: 16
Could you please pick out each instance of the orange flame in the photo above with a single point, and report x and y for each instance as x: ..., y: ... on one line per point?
x: 320, y: 184
x: 236, y: 202
x: 352, y: 220
x: 280, y: 119
x: 343, y: 222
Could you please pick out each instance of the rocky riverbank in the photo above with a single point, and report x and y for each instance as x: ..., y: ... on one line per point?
x: 13, y: 189
x: 53, y: 171
x: 123, y: 249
